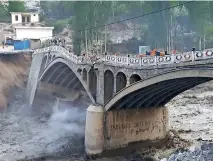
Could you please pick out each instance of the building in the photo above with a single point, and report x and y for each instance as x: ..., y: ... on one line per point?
x: 22, y: 17
x: 27, y: 26
x: 31, y: 32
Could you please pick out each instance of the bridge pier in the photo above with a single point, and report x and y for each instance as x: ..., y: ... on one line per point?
x: 94, y: 134
x: 107, y: 130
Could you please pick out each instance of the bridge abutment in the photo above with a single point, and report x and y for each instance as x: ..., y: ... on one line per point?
x: 107, y: 130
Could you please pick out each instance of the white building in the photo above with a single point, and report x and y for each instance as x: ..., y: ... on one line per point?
x: 21, y: 17
x: 42, y: 33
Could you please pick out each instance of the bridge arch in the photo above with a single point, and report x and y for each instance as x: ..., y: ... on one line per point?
x: 108, y: 85
x: 158, y: 90
x: 121, y: 81
x: 109, y: 69
x: 70, y: 79
x: 134, y: 78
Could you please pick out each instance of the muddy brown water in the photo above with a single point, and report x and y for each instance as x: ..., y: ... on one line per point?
x: 47, y: 133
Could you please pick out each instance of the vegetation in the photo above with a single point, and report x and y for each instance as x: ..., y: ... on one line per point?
x: 16, y: 6
x: 57, y: 24
x: 13, y: 6
x: 3, y: 14
x: 178, y: 28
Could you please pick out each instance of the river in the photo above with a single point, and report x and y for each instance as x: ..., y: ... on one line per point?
x: 45, y: 132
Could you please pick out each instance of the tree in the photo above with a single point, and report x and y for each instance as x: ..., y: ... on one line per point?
x: 3, y: 13
x: 16, y: 6
x: 165, y: 29
x: 200, y: 13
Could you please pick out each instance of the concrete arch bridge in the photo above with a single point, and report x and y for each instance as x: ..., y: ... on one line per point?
x: 128, y: 95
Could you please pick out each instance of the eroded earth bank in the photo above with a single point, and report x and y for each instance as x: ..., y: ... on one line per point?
x: 45, y: 132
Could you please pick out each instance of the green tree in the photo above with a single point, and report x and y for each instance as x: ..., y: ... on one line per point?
x: 164, y: 29
x: 3, y: 13
x: 16, y: 6
x: 200, y: 13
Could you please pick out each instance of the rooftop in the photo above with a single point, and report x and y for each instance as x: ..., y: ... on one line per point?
x: 24, y: 13
x: 32, y: 27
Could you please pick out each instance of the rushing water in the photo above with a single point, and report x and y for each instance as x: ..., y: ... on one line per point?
x: 44, y: 130
x: 50, y: 132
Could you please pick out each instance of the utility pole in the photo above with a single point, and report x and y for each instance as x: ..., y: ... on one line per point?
x: 105, y: 38
x: 86, y: 44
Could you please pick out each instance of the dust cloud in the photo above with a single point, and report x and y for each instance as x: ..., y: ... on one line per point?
x: 47, y: 129
x: 67, y: 119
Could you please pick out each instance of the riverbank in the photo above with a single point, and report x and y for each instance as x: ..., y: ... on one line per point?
x: 13, y: 73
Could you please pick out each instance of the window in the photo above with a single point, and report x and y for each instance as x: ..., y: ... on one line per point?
x: 23, y: 19
x: 28, y: 19
x: 16, y: 17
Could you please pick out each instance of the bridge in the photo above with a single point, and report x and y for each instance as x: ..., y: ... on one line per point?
x: 128, y: 94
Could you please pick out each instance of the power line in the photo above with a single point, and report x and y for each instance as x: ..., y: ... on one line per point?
x: 136, y: 16
x: 132, y: 17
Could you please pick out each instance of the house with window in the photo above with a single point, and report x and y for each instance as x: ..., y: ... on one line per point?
x: 26, y: 26
x: 26, y: 31
x: 23, y: 17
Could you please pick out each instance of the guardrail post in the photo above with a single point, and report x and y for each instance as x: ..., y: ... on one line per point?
x: 193, y: 55
x: 172, y: 58
x: 141, y: 61
x: 128, y: 58
x: 105, y: 56
x: 156, y: 60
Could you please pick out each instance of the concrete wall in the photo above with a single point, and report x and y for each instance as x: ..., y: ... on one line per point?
x: 13, y: 18
x: 34, y: 17
x: 115, y: 129
x: 42, y: 33
x: 127, y: 126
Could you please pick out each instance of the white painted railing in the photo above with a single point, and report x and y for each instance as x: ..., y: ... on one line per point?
x: 131, y: 61
x: 159, y: 60
x: 65, y: 53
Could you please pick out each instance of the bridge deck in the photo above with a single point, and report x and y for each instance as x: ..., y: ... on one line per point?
x: 16, y: 52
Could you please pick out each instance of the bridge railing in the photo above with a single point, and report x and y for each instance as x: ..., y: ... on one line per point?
x: 133, y: 61
x: 65, y: 53
x: 158, y: 60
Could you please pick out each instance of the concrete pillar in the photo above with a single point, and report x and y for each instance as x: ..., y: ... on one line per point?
x: 88, y: 81
x: 94, y: 130
x: 100, y: 85
x: 115, y: 85
x: 128, y: 81
x: 81, y: 75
